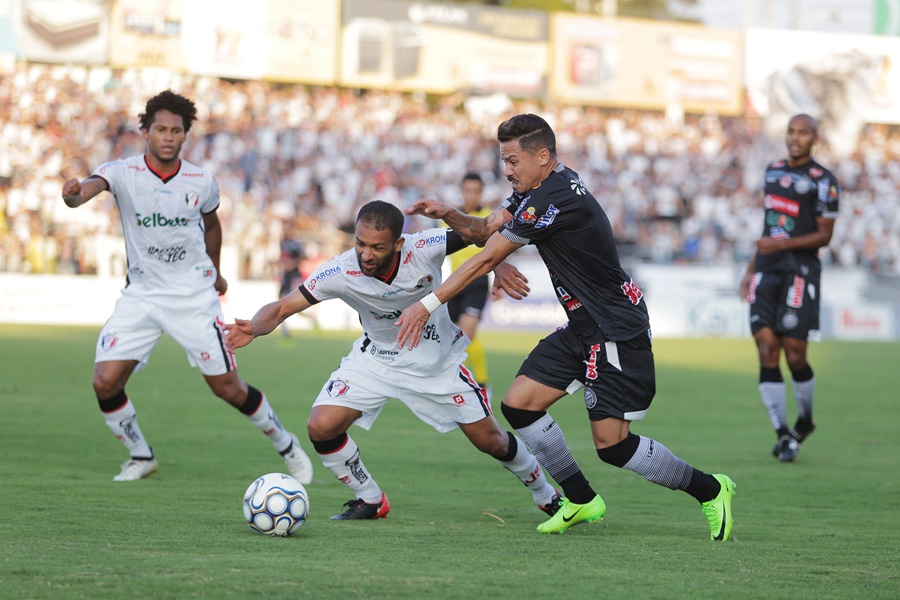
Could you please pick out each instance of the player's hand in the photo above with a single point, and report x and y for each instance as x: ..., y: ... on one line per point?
x: 71, y: 190
x: 412, y: 323
x: 767, y: 245
x: 429, y: 208
x: 221, y: 285
x: 238, y: 334
x: 509, y: 279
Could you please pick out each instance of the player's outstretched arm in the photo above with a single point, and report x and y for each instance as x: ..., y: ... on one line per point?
x: 75, y: 193
x: 241, y: 332
x: 509, y: 279
x: 474, y: 230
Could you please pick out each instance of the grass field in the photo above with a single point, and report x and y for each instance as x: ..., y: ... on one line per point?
x: 823, y: 527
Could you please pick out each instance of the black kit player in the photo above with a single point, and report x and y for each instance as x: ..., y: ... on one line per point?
x: 782, y: 282
x: 605, y: 347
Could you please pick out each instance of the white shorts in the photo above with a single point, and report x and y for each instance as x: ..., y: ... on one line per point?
x: 442, y: 400
x: 136, y: 325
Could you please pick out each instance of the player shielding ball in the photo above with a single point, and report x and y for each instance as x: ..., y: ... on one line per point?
x: 172, y: 240
x: 383, y: 273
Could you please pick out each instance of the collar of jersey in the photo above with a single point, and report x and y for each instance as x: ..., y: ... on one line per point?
x: 394, y: 271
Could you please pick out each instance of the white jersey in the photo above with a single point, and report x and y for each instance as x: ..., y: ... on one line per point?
x: 163, y: 225
x: 379, y: 304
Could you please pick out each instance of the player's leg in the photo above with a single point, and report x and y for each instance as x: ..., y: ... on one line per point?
x: 254, y: 405
x: 124, y: 345
x: 514, y: 456
x: 198, y: 328
x: 767, y: 311
x: 620, y: 384
x: 795, y: 351
x: 338, y: 406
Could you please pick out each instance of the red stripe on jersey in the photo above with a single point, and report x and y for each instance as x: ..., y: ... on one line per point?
x: 482, y: 393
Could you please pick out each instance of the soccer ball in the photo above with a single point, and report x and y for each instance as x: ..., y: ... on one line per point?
x: 276, y: 504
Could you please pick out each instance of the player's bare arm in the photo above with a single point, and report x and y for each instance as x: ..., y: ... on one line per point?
x: 507, y: 278
x: 744, y: 288
x: 811, y: 241
x: 75, y: 193
x: 414, y: 317
x: 475, y: 230
x: 241, y: 332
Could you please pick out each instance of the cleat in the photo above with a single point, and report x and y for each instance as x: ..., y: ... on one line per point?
x: 358, y: 509
x: 802, y: 429
x: 298, y: 462
x: 569, y: 514
x: 552, y: 507
x: 134, y: 469
x: 718, y: 510
x: 785, y: 449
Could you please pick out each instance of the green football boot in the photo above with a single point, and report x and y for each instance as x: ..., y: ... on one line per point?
x: 570, y: 514
x: 718, y: 510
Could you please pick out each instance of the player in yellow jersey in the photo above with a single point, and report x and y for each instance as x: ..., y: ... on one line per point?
x: 466, y: 308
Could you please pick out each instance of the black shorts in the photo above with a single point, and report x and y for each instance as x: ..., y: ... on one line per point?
x: 619, y: 378
x: 470, y: 301
x: 786, y: 302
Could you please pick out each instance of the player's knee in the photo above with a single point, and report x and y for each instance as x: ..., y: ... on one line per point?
x: 105, y: 386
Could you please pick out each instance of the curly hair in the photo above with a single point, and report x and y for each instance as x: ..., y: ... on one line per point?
x: 172, y: 102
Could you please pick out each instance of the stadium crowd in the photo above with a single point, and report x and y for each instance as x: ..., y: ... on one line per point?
x: 296, y: 162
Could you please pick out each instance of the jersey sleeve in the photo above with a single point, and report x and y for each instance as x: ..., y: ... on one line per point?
x: 326, y: 282
x: 111, y: 173
x: 211, y: 202
x: 430, y: 243
x: 828, y: 198
x: 537, y: 217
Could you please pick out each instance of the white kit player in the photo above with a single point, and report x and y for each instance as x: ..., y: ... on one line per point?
x: 384, y: 273
x: 172, y: 239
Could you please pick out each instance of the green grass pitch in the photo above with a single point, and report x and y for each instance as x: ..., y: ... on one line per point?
x: 460, y: 526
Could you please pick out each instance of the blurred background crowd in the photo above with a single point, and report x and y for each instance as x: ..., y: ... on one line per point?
x: 294, y: 163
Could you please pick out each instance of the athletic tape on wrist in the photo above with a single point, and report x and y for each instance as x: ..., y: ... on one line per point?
x: 431, y: 302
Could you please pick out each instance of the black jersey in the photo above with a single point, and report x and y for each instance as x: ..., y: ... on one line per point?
x: 575, y: 240
x: 794, y: 198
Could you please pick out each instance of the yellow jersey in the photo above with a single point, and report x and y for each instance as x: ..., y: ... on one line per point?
x: 458, y: 258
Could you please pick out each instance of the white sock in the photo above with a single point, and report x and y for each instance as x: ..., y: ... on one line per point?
x: 349, y: 469
x: 123, y: 423
x: 525, y: 466
x: 772, y: 393
x: 803, y: 393
x: 266, y: 421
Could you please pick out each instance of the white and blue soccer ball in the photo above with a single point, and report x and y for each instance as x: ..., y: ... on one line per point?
x: 276, y: 504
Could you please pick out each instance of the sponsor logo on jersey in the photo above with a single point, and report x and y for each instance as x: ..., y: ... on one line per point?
x: 381, y: 316
x: 168, y: 255
x: 577, y: 186
x: 780, y: 220
x: 424, y: 282
x: 795, y: 295
x: 137, y: 168
x: 527, y: 216
x: 590, y: 398
x: 777, y: 164
x: 390, y: 293
x: 458, y: 399
x: 191, y: 199
x: 802, y: 185
x: 311, y: 283
x: 785, y: 181
x: 633, y: 291
x: 326, y: 273
x: 192, y: 174
x: 823, y: 190
x: 816, y: 172
x: 108, y: 341
x: 832, y: 192
x: 782, y: 204
x: 337, y: 387
x: 160, y: 220
x: 547, y: 218
x: 778, y: 233
x: 407, y: 258
x: 205, y: 356
x: 354, y: 273
x: 382, y: 354
x: 790, y: 320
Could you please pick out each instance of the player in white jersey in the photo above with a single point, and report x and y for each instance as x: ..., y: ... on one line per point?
x: 172, y: 239
x: 386, y: 271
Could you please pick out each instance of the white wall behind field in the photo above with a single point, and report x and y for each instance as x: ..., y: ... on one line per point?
x: 684, y: 301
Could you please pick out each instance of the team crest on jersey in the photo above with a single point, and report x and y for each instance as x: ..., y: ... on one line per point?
x: 802, y: 185
x: 590, y: 398
x: 547, y: 218
x: 192, y: 200
x: 337, y: 387
x: 205, y: 356
x: 527, y: 216
x: 577, y: 186
x: 424, y: 281
x: 108, y: 341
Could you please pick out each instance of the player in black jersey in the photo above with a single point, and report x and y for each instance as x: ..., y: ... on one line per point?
x: 605, y: 347
x: 782, y: 280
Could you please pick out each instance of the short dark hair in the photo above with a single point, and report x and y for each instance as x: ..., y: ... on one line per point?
x: 381, y: 215
x: 532, y: 131
x: 172, y: 102
x: 473, y: 176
